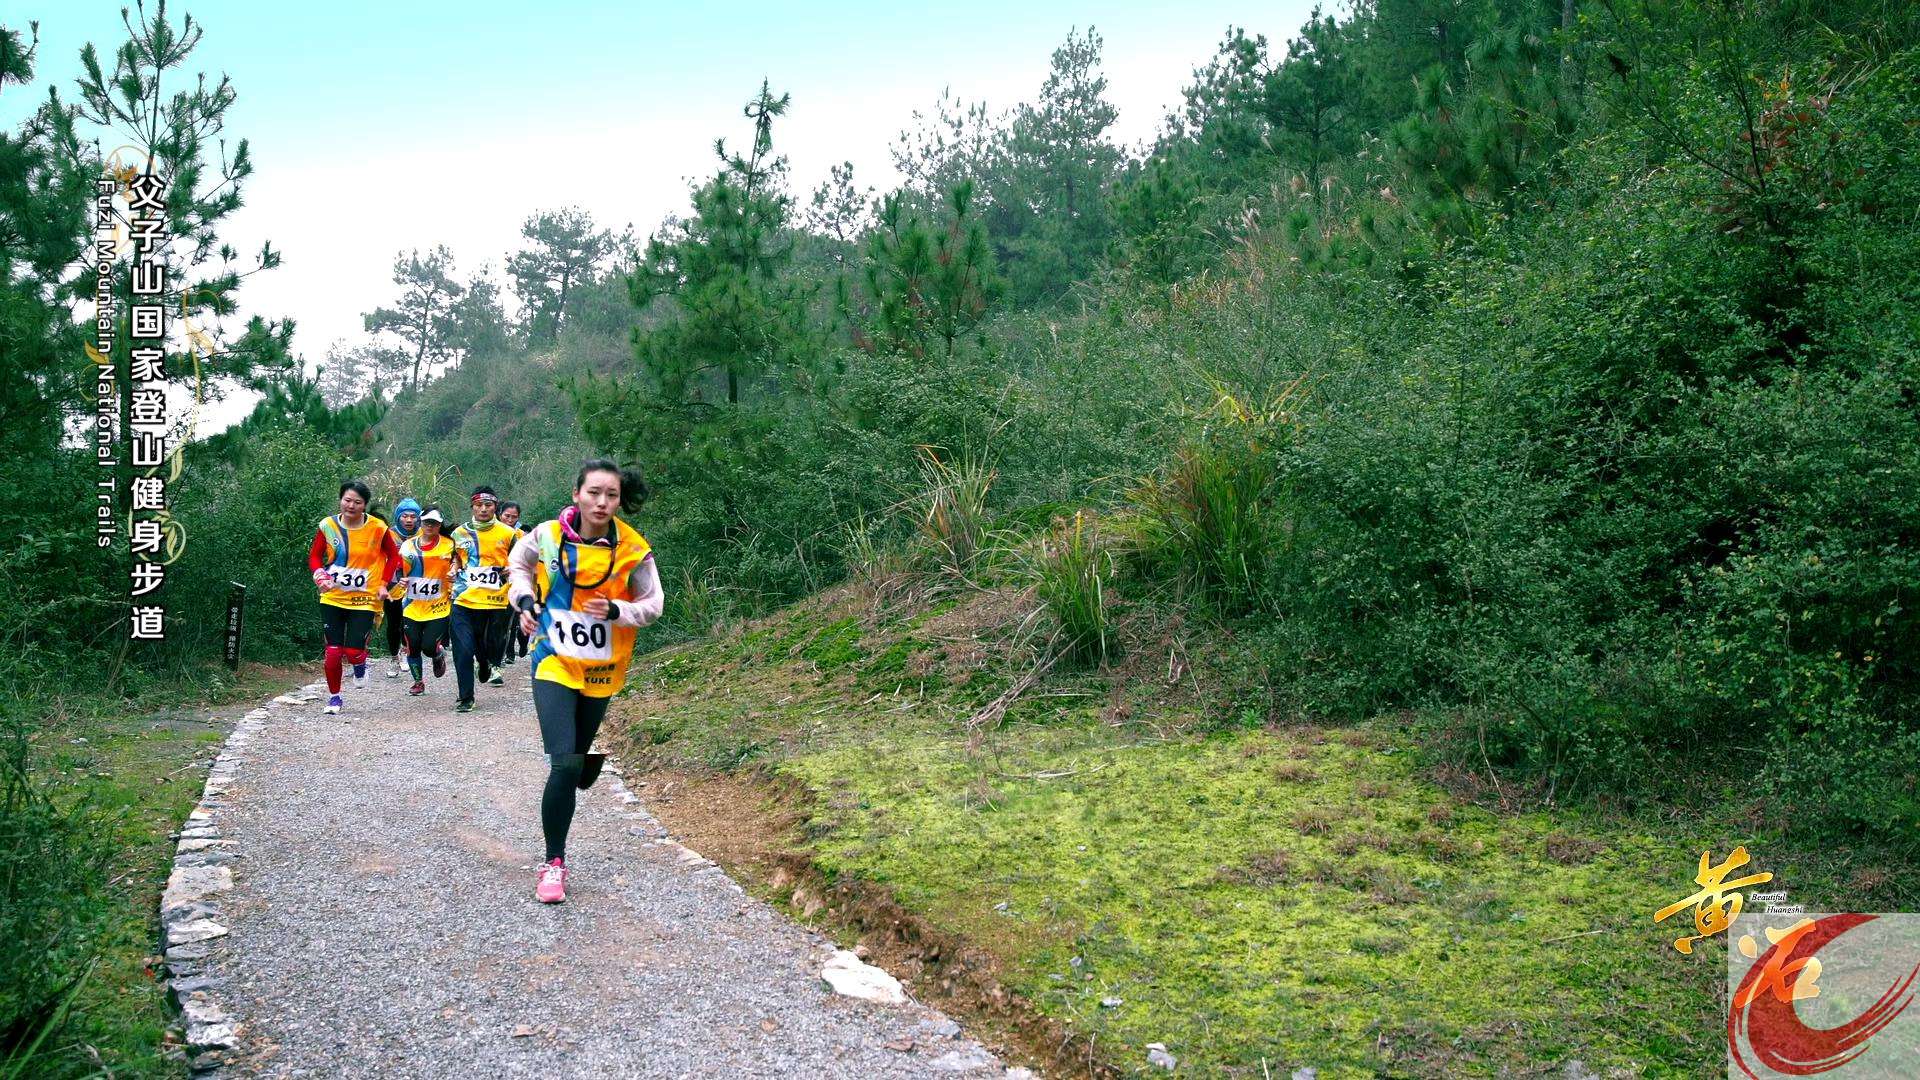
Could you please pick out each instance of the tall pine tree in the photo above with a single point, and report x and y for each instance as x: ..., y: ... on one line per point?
x: 736, y: 317
x: 563, y: 253
x: 422, y: 320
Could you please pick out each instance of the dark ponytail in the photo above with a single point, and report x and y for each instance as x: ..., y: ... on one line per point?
x: 634, y: 491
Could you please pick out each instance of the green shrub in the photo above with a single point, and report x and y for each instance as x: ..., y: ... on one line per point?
x: 252, y: 522
x: 699, y: 606
x: 54, y: 854
x: 951, y: 515
x: 1070, y: 567
x: 1212, y: 519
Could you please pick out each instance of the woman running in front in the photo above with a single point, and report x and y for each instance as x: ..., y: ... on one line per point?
x: 427, y: 561
x: 352, y: 558
x: 406, y: 525
x: 582, y: 583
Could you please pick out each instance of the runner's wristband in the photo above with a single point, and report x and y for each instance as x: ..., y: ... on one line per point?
x: 526, y: 604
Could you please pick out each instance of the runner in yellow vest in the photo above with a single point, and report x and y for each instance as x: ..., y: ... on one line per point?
x: 516, y: 643
x: 352, y: 558
x: 427, y: 587
x: 480, y: 596
x: 583, y: 583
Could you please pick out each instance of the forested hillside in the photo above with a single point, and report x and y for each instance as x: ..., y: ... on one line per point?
x: 1549, y: 367
x: 1537, y: 381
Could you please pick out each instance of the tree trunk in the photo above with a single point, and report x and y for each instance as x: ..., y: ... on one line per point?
x: 1566, y: 51
x: 560, y: 305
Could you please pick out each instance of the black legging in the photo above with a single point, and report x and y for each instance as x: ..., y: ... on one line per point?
x: 346, y: 628
x: 568, y: 722
x: 395, y: 636
x: 424, y: 636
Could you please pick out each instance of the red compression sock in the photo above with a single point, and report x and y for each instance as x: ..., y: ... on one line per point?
x: 333, y: 668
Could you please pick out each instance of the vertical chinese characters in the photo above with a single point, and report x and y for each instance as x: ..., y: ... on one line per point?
x: 147, y: 411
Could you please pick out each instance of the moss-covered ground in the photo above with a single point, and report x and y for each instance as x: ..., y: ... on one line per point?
x: 1257, y: 897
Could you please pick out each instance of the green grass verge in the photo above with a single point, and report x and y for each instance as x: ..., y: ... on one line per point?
x: 1257, y: 899
x: 143, y: 763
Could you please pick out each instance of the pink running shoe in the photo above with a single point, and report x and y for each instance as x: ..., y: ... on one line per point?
x: 552, y: 887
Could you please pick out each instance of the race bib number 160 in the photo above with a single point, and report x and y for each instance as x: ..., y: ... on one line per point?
x: 581, y: 637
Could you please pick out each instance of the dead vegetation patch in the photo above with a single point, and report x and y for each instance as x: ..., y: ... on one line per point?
x: 1313, y: 821
x: 1294, y: 772
x: 1262, y: 868
x: 1569, y: 850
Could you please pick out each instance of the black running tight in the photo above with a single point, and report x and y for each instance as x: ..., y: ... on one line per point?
x: 568, y: 722
x: 395, y: 611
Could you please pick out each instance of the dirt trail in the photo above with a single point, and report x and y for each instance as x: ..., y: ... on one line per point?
x: 373, y: 872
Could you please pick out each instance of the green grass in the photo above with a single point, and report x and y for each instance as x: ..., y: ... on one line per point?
x: 1188, y: 881
x: 1254, y: 898
x: 143, y: 763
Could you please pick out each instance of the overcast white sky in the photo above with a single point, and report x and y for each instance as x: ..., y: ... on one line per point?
x: 377, y: 128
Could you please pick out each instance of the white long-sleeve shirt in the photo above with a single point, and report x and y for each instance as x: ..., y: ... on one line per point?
x: 643, y: 585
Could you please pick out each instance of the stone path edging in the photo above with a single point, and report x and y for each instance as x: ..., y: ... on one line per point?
x: 189, y: 907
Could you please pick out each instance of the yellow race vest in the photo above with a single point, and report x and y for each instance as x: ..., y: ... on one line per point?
x: 429, y: 579
x: 483, y: 559
x: 572, y: 648
x: 358, y: 562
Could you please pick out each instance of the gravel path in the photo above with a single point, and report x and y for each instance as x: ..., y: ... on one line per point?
x: 381, y: 922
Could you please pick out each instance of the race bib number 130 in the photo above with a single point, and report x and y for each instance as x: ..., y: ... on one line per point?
x: 350, y: 578
x: 581, y: 637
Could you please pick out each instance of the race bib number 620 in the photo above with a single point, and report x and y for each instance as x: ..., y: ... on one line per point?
x: 350, y: 578
x: 581, y: 637
x: 486, y: 577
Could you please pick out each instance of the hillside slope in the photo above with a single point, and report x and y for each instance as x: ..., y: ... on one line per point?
x: 1106, y: 866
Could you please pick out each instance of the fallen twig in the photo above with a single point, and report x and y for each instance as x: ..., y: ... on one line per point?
x: 997, y: 708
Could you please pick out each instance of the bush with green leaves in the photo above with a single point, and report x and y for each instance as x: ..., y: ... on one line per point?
x: 1629, y: 481
x: 252, y: 522
x: 1071, y: 567
x: 54, y: 853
